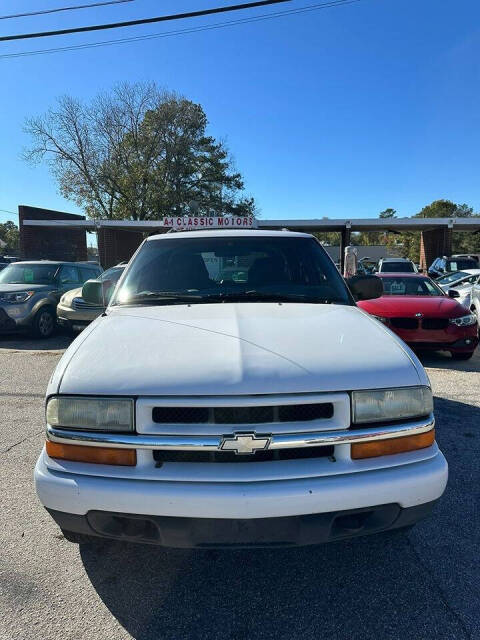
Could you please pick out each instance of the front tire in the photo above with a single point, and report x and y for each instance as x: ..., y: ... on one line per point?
x: 44, y: 323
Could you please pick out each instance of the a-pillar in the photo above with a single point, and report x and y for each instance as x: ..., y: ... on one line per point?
x: 434, y: 243
x: 117, y: 245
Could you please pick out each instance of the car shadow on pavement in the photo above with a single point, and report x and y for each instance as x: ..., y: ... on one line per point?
x: 423, y: 583
x: 24, y: 342
x: 443, y: 360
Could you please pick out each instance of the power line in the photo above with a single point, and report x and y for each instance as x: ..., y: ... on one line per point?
x: 72, y: 8
x: 167, y: 34
x: 132, y: 23
x: 15, y: 213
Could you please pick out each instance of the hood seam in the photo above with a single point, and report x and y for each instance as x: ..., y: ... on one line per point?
x: 400, y: 346
x: 60, y: 381
x: 221, y: 333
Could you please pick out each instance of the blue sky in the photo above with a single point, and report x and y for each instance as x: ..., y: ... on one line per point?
x: 340, y: 113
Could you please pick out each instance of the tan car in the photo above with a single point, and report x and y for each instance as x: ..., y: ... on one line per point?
x: 73, y: 313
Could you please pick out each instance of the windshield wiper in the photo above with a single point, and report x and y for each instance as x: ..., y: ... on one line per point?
x: 155, y: 297
x: 152, y: 297
x: 265, y: 296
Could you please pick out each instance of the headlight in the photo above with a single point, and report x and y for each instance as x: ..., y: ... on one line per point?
x: 16, y: 297
x: 391, y: 404
x: 464, y: 321
x: 99, y: 414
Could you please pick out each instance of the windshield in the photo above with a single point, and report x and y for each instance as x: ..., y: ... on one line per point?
x: 453, y: 277
x: 244, y: 268
x: 397, y: 267
x: 30, y: 273
x: 113, y: 274
x: 461, y: 263
x: 410, y: 287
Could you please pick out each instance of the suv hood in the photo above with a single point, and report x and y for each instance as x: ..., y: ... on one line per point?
x: 70, y: 295
x: 228, y: 349
x: 12, y: 288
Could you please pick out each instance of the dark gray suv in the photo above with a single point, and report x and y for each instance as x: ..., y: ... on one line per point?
x: 30, y: 291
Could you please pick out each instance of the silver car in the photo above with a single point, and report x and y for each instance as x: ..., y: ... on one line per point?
x: 30, y: 291
x: 475, y: 299
x: 461, y: 282
x: 73, y: 313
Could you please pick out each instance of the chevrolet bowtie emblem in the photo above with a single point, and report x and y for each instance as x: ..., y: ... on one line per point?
x: 244, y: 443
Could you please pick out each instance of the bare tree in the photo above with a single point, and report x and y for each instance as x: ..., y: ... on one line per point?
x: 137, y: 152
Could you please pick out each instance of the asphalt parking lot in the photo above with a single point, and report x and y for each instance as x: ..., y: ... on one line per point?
x: 422, y: 584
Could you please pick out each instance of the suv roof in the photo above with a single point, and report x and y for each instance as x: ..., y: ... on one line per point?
x: 395, y: 260
x: 81, y: 262
x: 228, y: 233
x: 465, y: 255
x: 402, y: 274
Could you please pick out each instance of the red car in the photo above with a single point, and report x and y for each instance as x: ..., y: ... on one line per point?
x: 418, y: 311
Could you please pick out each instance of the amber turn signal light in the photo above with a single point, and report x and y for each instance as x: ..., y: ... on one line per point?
x: 95, y: 455
x: 392, y: 445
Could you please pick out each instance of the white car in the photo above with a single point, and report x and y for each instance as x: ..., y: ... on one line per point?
x: 461, y: 282
x: 396, y: 265
x: 233, y: 394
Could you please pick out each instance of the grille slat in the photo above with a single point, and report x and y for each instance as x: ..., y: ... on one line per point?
x: 243, y: 415
x: 434, y: 324
x: 298, y: 453
x: 79, y: 304
x: 180, y: 415
x: 404, y: 323
x: 305, y: 412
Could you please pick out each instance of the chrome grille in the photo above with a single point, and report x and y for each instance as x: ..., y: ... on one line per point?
x: 296, y: 453
x: 180, y: 415
x: 434, y: 324
x: 404, y: 323
x: 220, y: 415
x: 242, y: 415
x: 79, y: 304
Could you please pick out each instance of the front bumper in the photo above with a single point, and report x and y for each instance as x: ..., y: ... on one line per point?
x: 405, y: 485
x: 456, y: 338
x: 7, y: 324
x: 72, y: 325
x: 75, y: 319
x: 234, y: 533
x: 18, y: 317
x: 459, y: 346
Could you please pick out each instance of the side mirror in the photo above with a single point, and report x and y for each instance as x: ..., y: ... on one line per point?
x: 419, y: 270
x: 452, y: 293
x: 365, y: 287
x: 97, y: 292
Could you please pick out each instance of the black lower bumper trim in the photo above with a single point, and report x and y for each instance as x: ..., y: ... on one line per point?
x: 462, y: 345
x: 7, y: 324
x: 257, y: 532
x: 71, y: 324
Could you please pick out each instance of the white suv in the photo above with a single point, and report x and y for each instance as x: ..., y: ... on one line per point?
x: 396, y: 265
x: 234, y: 394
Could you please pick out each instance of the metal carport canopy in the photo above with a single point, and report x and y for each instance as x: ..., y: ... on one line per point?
x: 358, y: 224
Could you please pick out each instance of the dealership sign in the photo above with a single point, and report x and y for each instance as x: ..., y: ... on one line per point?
x: 210, y: 222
